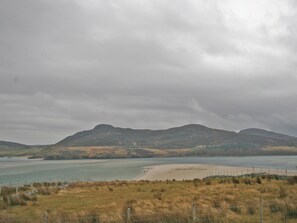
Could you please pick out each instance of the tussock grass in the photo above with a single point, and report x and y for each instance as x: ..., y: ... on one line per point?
x: 10, y: 196
x: 217, y: 200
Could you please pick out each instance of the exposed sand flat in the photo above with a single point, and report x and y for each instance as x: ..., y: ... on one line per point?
x: 192, y: 171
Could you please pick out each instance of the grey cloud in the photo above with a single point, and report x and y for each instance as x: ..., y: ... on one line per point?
x: 69, y: 65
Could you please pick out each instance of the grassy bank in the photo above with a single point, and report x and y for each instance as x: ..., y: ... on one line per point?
x: 214, y: 200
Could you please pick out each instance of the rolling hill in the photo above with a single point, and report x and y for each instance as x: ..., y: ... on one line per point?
x: 5, y: 145
x: 187, y: 136
x: 106, y: 141
x: 269, y: 134
x: 17, y: 149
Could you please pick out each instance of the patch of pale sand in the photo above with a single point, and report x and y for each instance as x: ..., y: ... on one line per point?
x: 200, y: 171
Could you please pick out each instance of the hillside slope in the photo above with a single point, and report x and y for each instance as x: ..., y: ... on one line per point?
x: 17, y: 149
x: 12, y: 145
x: 106, y: 141
x: 270, y: 134
x: 187, y: 136
x: 180, y: 137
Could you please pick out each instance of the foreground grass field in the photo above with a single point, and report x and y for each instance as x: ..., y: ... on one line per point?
x: 210, y: 200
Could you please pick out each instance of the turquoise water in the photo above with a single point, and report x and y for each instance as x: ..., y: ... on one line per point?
x: 16, y: 171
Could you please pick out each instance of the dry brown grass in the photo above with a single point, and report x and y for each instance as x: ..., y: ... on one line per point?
x: 217, y: 200
x: 93, y: 151
x: 280, y: 148
x: 117, y: 151
x: 157, y: 152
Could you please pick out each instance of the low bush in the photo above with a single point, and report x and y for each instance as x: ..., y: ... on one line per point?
x: 16, y: 200
x: 291, y: 212
x: 235, y: 208
x: 43, y: 191
x: 258, y: 180
x: 235, y: 180
x: 275, y: 207
x: 247, y: 181
x: 292, y: 180
x: 28, y: 197
x: 208, y: 182
x: 251, y: 210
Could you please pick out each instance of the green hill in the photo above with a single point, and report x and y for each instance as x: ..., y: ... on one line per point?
x: 187, y: 136
x: 106, y: 141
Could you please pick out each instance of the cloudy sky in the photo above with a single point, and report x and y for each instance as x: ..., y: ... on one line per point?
x: 68, y: 65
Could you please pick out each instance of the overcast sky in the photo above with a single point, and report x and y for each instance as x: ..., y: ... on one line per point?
x: 68, y: 65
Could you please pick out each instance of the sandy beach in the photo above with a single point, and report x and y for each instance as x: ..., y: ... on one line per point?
x: 192, y: 171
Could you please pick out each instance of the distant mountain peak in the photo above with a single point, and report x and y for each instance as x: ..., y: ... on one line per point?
x: 193, y: 126
x: 201, y: 139
x: 188, y: 126
x: 104, y: 126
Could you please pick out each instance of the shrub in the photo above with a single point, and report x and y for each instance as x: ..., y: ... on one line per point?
x: 247, y: 181
x: 292, y: 180
x: 37, y: 184
x: 235, y: 180
x: 43, y: 191
x: 16, y: 200
x: 270, y: 177
x: 208, y: 182
x: 291, y: 212
x: 251, y: 210
x: 275, y: 207
x: 5, y: 191
x: 235, y: 208
x: 258, y: 180
x: 28, y: 197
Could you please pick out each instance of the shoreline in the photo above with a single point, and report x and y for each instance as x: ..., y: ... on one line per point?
x: 200, y: 171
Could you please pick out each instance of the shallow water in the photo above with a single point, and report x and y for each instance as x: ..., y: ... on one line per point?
x: 16, y: 171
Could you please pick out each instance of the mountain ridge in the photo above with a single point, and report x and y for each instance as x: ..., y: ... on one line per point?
x: 188, y: 135
x: 107, y: 141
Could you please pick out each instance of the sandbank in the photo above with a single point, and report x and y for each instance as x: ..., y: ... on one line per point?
x: 200, y: 171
